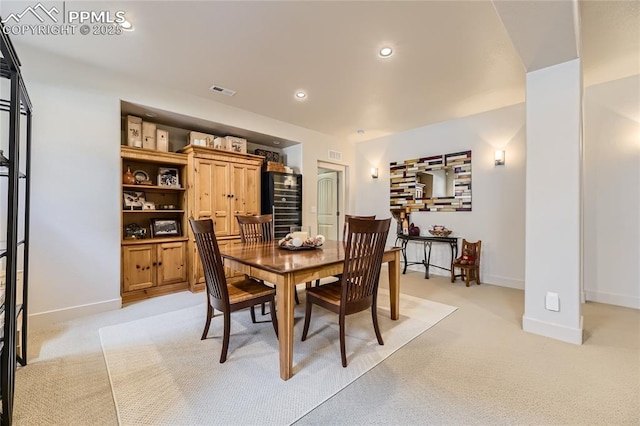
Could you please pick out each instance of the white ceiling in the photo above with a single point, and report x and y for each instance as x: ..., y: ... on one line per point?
x: 452, y: 58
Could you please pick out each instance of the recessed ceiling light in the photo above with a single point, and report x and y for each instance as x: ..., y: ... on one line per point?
x: 126, y: 25
x: 301, y: 95
x: 360, y: 132
x: 151, y: 114
x: 385, y: 52
x: 276, y: 142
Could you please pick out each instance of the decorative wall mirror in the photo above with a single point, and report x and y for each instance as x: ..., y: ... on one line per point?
x: 437, y: 183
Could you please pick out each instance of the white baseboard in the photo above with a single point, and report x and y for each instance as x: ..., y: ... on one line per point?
x: 503, y: 281
x: 612, y: 299
x: 555, y: 331
x: 41, y: 319
x: 485, y: 279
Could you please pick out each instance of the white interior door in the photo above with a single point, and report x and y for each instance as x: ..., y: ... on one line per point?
x: 328, y: 214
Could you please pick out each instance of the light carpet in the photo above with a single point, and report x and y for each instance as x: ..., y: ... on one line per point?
x: 162, y: 373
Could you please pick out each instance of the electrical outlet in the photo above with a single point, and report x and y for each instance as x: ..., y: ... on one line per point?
x: 552, y: 302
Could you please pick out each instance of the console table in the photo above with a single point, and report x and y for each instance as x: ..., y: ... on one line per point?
x: 426, y: 243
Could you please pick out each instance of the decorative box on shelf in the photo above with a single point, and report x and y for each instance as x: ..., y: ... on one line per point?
x: 134, y: 131
x: 201, y: 139
x: 268, y: 155
x: 236, y: 144
x: 220, y: 143
x: 162, y: 140
x: 148, y: 135
x: 271, y: 166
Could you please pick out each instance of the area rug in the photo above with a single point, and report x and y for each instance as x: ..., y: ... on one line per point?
x: 161, y: 373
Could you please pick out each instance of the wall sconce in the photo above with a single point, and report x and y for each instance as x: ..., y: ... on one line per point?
x: 374, y: 172
x: 499, y: 156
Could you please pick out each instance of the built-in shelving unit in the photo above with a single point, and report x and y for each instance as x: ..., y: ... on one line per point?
x: 151, y: 264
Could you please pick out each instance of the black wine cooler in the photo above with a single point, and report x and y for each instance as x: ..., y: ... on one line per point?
x: 282, y: 197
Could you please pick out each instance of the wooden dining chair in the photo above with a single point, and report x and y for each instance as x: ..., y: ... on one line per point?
x: 345, y: 228
x: 255, y: 229
x: 357, y: 289
x: 223, y: 296
x: 468, y: 263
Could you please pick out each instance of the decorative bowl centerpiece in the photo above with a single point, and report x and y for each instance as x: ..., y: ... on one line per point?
x: 440, y: 231
x: 291, y: 242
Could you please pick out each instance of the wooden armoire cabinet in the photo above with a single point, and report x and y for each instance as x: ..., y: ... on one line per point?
x: 220, y: 185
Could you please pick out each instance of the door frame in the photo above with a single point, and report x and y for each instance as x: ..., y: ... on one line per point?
x: 342, y: 188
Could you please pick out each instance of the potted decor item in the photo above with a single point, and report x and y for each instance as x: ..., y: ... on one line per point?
x: 128, y: 178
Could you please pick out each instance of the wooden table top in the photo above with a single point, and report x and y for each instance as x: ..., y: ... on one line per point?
x: 268, y: 256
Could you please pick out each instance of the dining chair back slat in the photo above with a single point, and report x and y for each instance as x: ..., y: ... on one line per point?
x: 348, y: 217
x: 254, y: 229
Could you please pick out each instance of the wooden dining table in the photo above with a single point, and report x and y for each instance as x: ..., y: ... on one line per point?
x: 286, y: 268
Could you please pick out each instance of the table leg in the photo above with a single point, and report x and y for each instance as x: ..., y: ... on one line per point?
x: 454, y: 253
x: 285, y: 303
x: 404, y: 255
x: 394, y: 285
x: 426, y: 267
x: 425, y: 262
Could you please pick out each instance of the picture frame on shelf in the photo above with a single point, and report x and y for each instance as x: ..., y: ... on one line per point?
x: 134, y: 231
x: 165, y: 228
x: 168, y: 176
x: 148, y: 205
x: 133, y: 200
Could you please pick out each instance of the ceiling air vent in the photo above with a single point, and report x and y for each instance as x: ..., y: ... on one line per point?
x: 335, y: 155
x: 223, y: 90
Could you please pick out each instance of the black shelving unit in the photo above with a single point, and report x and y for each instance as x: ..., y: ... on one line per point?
x: 16, y: 213
x: 282, y: 197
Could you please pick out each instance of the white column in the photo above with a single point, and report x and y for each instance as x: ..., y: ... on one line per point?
x: 553, y: 201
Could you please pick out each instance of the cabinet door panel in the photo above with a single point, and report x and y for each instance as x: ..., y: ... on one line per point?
x: 172, y: 258
x: 197, y: 267
x: 239, y: 187
x: 221, y: 198
x: 203, y: 187
x: 138, y: 267
x: 252, y: 190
